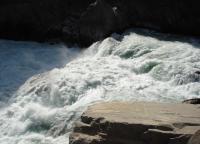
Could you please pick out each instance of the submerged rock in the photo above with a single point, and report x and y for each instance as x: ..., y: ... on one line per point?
x: 139, y: 122
x: 87, y: 21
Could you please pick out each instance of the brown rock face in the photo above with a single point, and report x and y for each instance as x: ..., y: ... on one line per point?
x: 137, y: 123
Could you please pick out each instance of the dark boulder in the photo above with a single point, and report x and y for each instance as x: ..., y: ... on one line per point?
x: 98, y: 21
x: 90, y: 20
x: 192, y: 101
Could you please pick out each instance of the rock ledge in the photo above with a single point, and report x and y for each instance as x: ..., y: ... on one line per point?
x: 138, y: 123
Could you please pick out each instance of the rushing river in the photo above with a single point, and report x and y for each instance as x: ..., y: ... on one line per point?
x: 44, y: 88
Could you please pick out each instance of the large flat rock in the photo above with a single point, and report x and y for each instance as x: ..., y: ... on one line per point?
x: 138, y: 122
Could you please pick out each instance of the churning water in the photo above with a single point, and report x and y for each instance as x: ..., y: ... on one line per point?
x: 125, y: 67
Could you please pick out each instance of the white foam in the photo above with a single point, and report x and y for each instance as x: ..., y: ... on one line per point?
x: 138, y: 68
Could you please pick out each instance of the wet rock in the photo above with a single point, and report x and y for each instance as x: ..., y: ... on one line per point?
x: 197, y: 72
x: 192, y: 101
x: 138, y: 123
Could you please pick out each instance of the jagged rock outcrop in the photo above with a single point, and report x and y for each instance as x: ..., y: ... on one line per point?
x: 90, y: 20
x: 138, y: 123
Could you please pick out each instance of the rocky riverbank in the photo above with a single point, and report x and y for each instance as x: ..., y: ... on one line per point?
x: 138, y: 123
x: 87, y: 21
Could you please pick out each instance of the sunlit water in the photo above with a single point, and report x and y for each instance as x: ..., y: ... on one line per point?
x: 122, y: 67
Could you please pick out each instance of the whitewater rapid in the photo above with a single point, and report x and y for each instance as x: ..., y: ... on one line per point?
x: 150, y: 67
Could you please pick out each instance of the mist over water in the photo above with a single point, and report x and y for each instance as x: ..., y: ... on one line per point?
x: 62, y: 82
x: 21, y: 60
